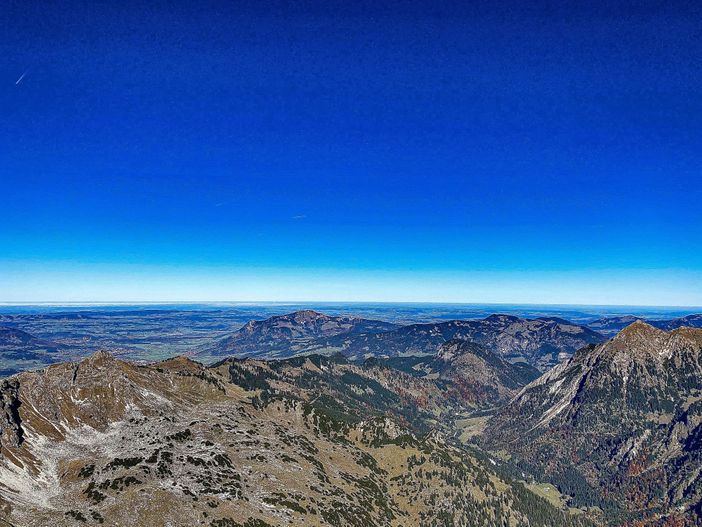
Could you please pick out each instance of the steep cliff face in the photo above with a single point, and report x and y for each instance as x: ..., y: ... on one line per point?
x: 11, y: 433
x: 618, y: 425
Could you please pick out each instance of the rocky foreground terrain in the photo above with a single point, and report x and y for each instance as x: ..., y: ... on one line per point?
x: 309, y: 441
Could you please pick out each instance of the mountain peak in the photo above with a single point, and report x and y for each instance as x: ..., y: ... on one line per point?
x: 637, y: 340
x: 639, y: 332
x: 307, y: 314
x: 640, y: 390
x: 479, y: 373
x: 640, y: 327
x: 693, y: 335
x: 180, y: 363
x: 502, y: 317
x: 456, y: 347
x: 100, y: 358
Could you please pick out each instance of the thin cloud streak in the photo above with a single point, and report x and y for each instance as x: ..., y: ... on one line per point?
x: 21, y: 77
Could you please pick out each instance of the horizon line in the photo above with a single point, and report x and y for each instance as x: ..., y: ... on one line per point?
x: 302, y: 302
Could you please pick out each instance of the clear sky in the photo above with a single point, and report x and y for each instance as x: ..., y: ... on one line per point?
x: 415, y: 151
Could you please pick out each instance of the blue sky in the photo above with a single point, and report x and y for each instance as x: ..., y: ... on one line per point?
x: 329, y: 151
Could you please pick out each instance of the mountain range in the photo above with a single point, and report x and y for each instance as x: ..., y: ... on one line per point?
x: 541, y: 342
x: 612, y: 325
x: 438, y: 424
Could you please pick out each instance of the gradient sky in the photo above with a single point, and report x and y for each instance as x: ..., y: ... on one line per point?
x: 545, y: 153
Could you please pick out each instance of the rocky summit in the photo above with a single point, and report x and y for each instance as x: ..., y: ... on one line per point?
x: 611, y: 325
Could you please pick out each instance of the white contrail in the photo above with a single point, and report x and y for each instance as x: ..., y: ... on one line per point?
x: 21, y: 77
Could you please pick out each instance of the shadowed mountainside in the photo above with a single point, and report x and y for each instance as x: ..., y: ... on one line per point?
x: 18, y: 345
